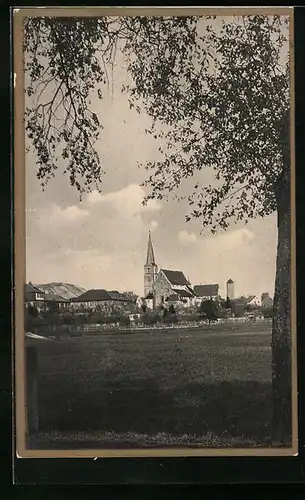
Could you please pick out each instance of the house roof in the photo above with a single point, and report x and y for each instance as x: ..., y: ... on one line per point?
x: 175, y: 277
x: 94, y: 295
x: 240, y: 301
x: 150, y: 295
x: 191, y: 290
x: 206, y: 290
x: 53, y: 297
x: 172, y: 298
x: 115, y: 295
x: 250, y: 298
x: 244, y: 300
x: 182, y: 293
x: 30, y: 288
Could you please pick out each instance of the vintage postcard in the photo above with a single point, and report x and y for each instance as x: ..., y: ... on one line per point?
x: 154, y: 232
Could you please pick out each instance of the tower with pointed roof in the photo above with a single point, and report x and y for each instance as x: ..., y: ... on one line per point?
x: 150, y: 269
x: 230, y: 289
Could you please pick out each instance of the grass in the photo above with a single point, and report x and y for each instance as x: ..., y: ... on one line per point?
x: 130, y: 439
x: 181, y: 388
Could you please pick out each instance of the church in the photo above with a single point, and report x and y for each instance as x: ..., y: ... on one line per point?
x: 164, y: 286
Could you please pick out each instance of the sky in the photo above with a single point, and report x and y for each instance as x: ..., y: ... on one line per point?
x: 101, y: 242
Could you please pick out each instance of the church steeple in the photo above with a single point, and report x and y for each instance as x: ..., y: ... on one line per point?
x: 150, y: 259
x: 150, y: 269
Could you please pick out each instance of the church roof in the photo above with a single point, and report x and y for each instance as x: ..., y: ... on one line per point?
x: 191, y: 290
x: 175, y: 277
x: 230, y: 281
x: 172, y: 298
x: 183, y: 293
x: 206, y: 290
x: 150, y: 258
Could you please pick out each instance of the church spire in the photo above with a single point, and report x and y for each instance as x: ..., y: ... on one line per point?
x: 150, y: 259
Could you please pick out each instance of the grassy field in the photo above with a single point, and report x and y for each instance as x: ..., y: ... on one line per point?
x: 177, y: 388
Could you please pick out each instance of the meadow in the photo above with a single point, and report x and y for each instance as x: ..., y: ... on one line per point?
x: 203, y: 387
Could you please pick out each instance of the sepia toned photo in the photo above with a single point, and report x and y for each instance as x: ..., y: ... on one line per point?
x: 154, y: 232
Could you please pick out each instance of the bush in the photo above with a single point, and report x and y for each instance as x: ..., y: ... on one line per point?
x: 190, y: 317
x: 124, y: 321
x: 31, y: 311
x: 169, y: 316
x: 150, y: 318
x: 209, y: 309
x: 68, y: 319
x: 268, y: 312
x: 80, y: 319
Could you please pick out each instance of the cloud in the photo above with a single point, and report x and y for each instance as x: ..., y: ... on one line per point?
x: 231, y: 240
x: 241, y: 254
x: 186, y: 238
x: 89, y: 268
x: 102, y: 241
x: 153, y: 225
x: 128, y: 200
x: 56, y: 216
x: 72, y: 213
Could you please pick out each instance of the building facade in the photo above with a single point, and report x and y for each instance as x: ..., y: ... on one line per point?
x: 206, y: 292
x: 42, y: 301
x: 32, y: 293
x: 172, y: 285
x: 103, y: 301
x: 230, y: 289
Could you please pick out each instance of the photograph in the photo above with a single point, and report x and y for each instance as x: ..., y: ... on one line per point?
x: 155, y: 283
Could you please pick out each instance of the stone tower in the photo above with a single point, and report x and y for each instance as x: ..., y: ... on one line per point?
x: 230, y: 289
x: 150, y: 268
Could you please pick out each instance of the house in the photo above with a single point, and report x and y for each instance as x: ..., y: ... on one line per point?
x: 133, y: 318
x: 248, y: 304
x: 51, y: 299
x: 206, y: 292
x: 139, y: 302
x: 32, y: 293
x: 121, y: 297
x: 148, y: 301
x: 101, y: 299
x: 169, y: 283
x: 42, y: 300
x: 33, y: 296
x: 253, y: 300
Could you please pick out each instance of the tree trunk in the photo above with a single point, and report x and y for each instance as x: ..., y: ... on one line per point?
x: 32, y: 389
x: 281, y: 327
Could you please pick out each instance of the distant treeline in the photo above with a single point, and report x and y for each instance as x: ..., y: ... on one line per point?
x: 55, y: 321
